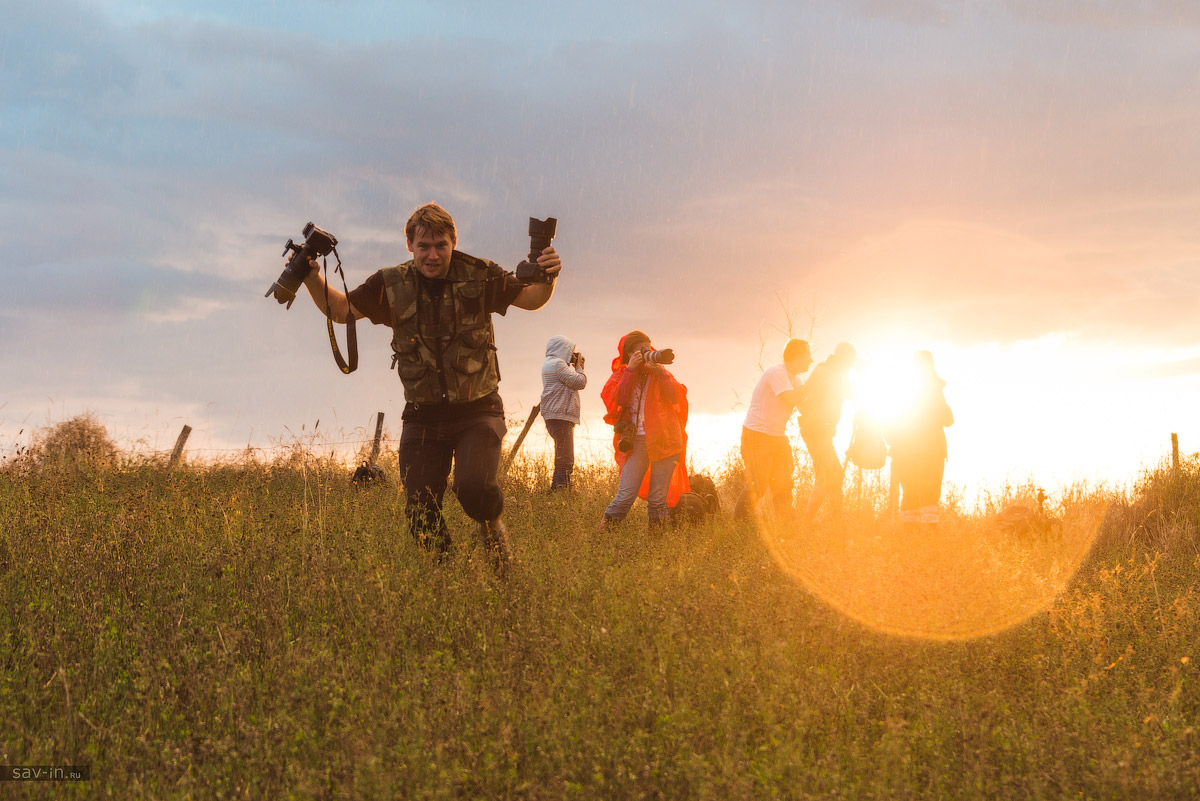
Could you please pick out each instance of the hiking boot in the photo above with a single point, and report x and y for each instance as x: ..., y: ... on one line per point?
x: 494, y: 536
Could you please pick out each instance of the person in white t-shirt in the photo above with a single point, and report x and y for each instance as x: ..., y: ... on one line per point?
x: 766, y: 451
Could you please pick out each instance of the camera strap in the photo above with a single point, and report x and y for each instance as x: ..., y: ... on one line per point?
x: 351, y: 334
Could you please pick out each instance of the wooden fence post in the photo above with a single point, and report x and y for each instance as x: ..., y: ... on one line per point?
x: 1174, y: 451
x: 378, y: 436
x: 179, y: 443
x: 893, y: 488
x: 533, y: 413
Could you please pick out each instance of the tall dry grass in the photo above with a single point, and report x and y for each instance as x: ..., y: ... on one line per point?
x: 263, y: 629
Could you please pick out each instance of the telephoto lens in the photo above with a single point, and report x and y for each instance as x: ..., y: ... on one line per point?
x: 664, y: 356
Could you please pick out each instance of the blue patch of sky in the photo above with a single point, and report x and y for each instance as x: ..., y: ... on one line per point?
x: 107, y: 285
x: 535, y: 24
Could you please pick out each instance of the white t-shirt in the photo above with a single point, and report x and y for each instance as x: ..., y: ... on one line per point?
x: 768, y: 414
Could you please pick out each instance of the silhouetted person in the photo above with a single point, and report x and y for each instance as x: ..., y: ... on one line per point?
x: 918, y: 445
x: 562, y: 378
x: 821, y: 409
x: 766, y: 452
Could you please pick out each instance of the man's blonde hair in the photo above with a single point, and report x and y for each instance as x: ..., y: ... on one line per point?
x: 432, y: 219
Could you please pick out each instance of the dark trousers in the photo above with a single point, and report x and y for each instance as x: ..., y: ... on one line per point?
x: 563, y: 434
x: 920, y: 479
x: 427, y: 451
x: 828, y: 470
x: 768, y: 461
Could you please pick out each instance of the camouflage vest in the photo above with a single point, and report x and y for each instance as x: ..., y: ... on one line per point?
x: 444, y: 349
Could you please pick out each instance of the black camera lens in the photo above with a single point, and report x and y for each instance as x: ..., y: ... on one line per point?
x: 317, y: 243
x: 541, y: 232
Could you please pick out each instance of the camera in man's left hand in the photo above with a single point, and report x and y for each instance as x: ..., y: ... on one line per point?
x: 541, y: 233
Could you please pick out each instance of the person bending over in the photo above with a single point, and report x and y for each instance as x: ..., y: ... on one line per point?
x: 766, y: 451
x: 821, y: 409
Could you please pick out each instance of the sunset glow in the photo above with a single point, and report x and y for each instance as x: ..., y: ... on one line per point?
x: 956, y: 184
x: 376, y: 542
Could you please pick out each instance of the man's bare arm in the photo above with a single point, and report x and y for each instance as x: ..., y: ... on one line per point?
x: 535, y: 296
x: 339, y: 305
x: 792, y: 398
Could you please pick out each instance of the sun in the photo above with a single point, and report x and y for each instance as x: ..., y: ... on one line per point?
x: 885, y: 392
x: 886, y: 382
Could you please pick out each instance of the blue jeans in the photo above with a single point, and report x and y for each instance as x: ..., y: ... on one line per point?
x: 631, y: 481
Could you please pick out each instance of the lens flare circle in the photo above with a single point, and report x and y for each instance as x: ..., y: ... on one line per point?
x: 962, y: 579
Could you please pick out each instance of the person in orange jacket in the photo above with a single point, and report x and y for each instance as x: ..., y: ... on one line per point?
x: 648, y: 410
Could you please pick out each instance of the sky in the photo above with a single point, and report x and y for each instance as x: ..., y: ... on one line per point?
x: 1012, y: 185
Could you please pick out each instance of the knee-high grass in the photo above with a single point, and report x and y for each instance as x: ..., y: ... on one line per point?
x: 264, y: 629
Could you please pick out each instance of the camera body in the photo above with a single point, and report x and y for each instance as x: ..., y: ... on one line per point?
x: 317, y: 243
x: 626, y: 431
x: 576, y: 360
x: 541, y: 232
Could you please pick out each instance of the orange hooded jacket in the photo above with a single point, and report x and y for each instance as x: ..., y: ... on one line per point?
x: 665, y: 420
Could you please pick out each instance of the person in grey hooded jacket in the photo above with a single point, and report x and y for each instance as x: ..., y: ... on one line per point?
x: 562, y: 378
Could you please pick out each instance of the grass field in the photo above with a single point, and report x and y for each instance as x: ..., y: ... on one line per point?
x: 268, y: 631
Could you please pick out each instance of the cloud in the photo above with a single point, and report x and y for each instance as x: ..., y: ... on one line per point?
x: 103, y: 291
x: 984, y: 171
x: 1167, y: 366
x: 912, y: 11
x: 977, y: 283
x: 1109, y: 14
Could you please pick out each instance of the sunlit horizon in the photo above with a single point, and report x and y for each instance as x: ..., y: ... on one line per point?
x: 1038, y: 411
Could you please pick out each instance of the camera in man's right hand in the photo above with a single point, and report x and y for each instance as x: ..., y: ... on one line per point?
x: 317, y: 243
x: 540, y: 234
x: 625, y: 431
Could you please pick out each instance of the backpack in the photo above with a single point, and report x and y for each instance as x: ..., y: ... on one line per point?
x: 704, y: 488
x: 701, y: 503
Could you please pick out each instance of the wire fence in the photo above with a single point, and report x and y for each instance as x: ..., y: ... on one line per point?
x: 593, y: 447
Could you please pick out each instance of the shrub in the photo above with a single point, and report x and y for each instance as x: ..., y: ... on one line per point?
x: 79, y: 443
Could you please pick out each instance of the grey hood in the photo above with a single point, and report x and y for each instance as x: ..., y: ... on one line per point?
x: 559, y: 347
